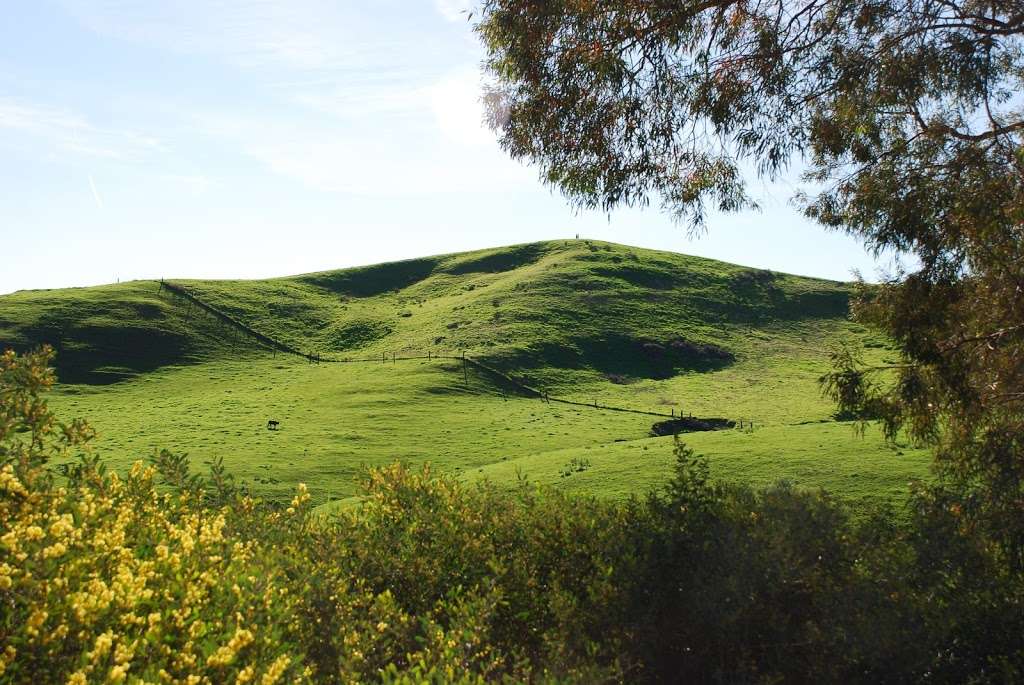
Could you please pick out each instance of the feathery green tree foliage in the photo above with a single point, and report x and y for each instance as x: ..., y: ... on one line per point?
x: 908, y: 116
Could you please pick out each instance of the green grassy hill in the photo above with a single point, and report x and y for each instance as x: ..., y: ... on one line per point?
x: 586, y: 321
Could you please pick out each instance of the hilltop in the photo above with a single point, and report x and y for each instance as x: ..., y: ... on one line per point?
x: 580, y: 305
x: 586, y: 321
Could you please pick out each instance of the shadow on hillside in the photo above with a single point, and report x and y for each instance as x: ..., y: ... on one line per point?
x: 748, y: 296
x: 649, y: 277
x: 758, y: 292
x: 623, y: 357
x: 352, y: 335
x: 103, y: 355
x: 496, y: 262
x: 378, y: 279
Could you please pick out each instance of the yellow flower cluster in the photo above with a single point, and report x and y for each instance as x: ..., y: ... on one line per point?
x: 227, y: 653
x: 9, y: 483
x: 116, y: 582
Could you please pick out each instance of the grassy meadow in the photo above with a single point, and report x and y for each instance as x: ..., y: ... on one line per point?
x: 586, y: 321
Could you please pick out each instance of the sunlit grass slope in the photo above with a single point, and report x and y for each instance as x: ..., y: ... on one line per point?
x: 581, y: 319
x: 832, y: 456
x: 335, y: 419
x: 584, y: 320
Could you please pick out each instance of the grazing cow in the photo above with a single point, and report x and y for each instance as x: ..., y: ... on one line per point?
x: 272, y: 425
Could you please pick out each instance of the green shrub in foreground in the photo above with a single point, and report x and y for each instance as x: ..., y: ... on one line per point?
x: 163, y: 576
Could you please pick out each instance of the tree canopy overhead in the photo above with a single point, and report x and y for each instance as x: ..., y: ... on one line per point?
x: 908, y: 118
x: 622, y: 101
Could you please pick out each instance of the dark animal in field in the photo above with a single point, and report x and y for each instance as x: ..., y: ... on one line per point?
x: 272, y: 425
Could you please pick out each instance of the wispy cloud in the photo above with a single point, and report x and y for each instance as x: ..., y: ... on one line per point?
x: 345, y: 107
x: 306, y: 34
x: 451, y: 153
x: 64, y: 131
x: 394, y: 92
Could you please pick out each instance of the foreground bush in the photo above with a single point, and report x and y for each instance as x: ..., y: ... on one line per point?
x: 165, y: 576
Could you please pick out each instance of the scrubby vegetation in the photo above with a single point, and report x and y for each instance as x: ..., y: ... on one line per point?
x: 166, y: 576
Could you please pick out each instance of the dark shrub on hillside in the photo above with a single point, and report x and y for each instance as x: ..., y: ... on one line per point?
x: 685, y: 349
x: 353, y: 334
x: 690, y: 424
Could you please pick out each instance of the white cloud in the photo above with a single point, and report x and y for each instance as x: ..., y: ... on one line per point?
x: 63, y: 131
x: 344, y: 110
x: 375, y: 160
x: 303, y: 34
x: 458, y: 112
x: 365, y: 98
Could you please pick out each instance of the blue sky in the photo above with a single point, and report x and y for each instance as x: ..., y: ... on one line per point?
x: 253, y: 138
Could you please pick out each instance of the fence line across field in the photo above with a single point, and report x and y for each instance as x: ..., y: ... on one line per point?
x: 316, y: 358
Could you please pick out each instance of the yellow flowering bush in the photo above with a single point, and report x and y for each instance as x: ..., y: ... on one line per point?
x: 105, y: 579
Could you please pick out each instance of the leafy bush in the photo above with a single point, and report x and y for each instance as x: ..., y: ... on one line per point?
x: 168, y: 576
